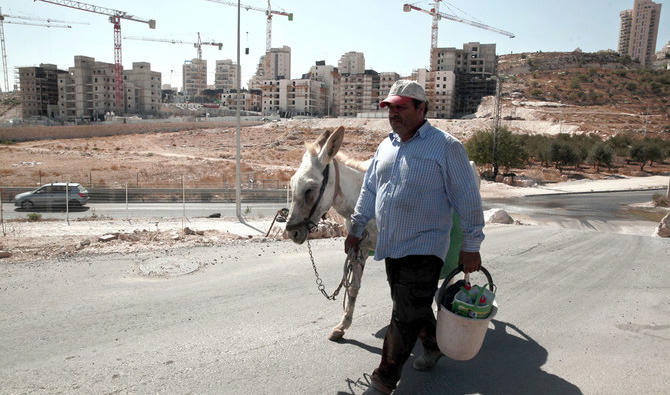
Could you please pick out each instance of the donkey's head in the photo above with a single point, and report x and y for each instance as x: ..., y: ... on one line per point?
x: 313, y: 185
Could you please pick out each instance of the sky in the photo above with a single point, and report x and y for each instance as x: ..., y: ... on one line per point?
x: 392, y: 40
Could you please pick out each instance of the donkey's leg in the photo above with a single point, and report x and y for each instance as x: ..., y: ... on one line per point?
x: 352, y: 293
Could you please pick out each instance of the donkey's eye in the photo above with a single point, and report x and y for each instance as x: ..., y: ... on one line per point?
x: 308, y: 194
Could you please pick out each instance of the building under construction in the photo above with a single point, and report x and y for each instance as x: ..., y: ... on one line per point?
x: 87, y: 90
x: 460, y: 78
x: 39, y: 90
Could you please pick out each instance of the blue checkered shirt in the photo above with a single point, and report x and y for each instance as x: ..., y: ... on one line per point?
x: 412, y: 189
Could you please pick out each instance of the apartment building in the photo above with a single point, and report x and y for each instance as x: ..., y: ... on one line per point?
x: 304, y: 97
x: 142, y: 89
x: 294, y: 97
x: 386, y: 80
x: 351, y: 63
x: 39, y: 90
x: 638, y: 31
x: 330, y: 76
x: 194, y: 77
x: 272, y: 100
x: 256, y: 80
x: 274, y: 65
x: 358, y: 93
x: 441, y: 93
x: 474, y: 58
x: 464, y: 79
x: 251, y: 100
x: 225, y: 75
x: 277, y: 63
x: 88, y: 90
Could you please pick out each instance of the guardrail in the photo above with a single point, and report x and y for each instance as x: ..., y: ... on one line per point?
x: 167, y: 195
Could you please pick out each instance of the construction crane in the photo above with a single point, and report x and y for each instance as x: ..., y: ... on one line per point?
x: 198, y: 45
x: 437, y: 15
x: 115, y: 17
x: 268, y: 12
x: 3, y: 20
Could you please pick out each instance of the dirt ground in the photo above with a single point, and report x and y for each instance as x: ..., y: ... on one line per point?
x: 206, y: 158
x: 270, y: 152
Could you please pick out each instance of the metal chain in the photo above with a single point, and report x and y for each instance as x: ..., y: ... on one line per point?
x: 319, y: 281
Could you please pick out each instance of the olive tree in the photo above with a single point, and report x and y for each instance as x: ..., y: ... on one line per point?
x: 498, y: 149
x: 601, y: 154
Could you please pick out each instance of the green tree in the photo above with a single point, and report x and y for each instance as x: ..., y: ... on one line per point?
x: 621, y: 143
x: 601, y: 154
x: 509, y: 151
x: 563, y: 154
x: 538, y: 147
x: 646, y: 150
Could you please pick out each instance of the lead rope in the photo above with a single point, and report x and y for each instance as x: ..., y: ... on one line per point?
x: 346, y: 275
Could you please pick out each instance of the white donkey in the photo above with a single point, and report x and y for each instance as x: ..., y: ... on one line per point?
x: 325, y: 180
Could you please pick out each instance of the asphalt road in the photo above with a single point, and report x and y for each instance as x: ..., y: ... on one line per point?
x: 602, y: 206
x: 580, y: 312
x: 149, y: 210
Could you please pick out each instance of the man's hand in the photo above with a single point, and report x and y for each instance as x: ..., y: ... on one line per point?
x: 470, y: 261
x: 351, y: 242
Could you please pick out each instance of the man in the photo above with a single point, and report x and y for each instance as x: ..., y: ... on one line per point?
x: 418, y: 177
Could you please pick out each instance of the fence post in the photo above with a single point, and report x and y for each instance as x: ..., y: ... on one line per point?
x: 90, y: 180
x: 183, y: 198
x: 2, y: 215
x: 67, y: 202
x: 126, y: 196
x: 137, y: 184
x: 40, y: 175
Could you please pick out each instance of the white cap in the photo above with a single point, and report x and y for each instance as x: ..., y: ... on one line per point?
x: 403, y: 91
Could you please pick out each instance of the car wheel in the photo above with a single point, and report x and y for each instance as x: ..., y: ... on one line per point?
x: 27, y: 205
x: 74, y: 203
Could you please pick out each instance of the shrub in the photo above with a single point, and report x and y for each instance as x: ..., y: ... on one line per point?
x: 34, y: 217
x: 660, y: 200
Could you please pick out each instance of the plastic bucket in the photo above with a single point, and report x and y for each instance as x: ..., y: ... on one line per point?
x: 460, y: 338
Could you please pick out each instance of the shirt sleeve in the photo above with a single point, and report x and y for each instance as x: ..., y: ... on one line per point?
x: 365, y: 206
x: 464, y: 196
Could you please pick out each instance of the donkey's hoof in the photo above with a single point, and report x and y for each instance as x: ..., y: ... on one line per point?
x: 336, y: 335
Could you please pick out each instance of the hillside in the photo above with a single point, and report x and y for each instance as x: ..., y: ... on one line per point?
x: 600, y: 93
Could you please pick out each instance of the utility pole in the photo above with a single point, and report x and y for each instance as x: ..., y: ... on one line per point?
x: 496, y: 124
x: 238, y: 181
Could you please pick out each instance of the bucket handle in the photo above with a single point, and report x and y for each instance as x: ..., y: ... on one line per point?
x: 443, y: 287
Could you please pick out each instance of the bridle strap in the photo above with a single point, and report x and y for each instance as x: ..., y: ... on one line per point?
x: 326, y: 173
x: 308, y: 221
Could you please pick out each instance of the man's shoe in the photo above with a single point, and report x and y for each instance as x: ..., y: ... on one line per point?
x: 376, y: 389
x: 427, y: 361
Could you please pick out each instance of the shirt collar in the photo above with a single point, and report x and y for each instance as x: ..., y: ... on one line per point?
x: 422, y: 132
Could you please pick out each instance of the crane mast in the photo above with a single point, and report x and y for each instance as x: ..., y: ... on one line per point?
x: 437, y: 15
x: 3, y: 20
x: 115, y: 17
x: 269, y: 12
x: 198, y: 45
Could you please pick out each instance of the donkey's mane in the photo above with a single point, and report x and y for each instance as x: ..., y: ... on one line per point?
x: 355, y: 163
x: 313, y: 150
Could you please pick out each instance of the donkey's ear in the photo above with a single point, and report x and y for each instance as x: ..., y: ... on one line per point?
x: 333, y: 145
x: 321, y: 140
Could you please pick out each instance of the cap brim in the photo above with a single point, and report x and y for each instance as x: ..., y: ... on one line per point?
x: 394, y: 99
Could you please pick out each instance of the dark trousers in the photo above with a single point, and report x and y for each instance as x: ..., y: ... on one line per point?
x: 413, y: 281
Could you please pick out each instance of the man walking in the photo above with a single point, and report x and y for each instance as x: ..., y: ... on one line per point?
x: 418, y: 177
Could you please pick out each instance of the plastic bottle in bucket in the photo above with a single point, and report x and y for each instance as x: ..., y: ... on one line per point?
x: 460, y: 337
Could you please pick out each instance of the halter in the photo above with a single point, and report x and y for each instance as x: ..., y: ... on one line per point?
x: 307, y: 222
